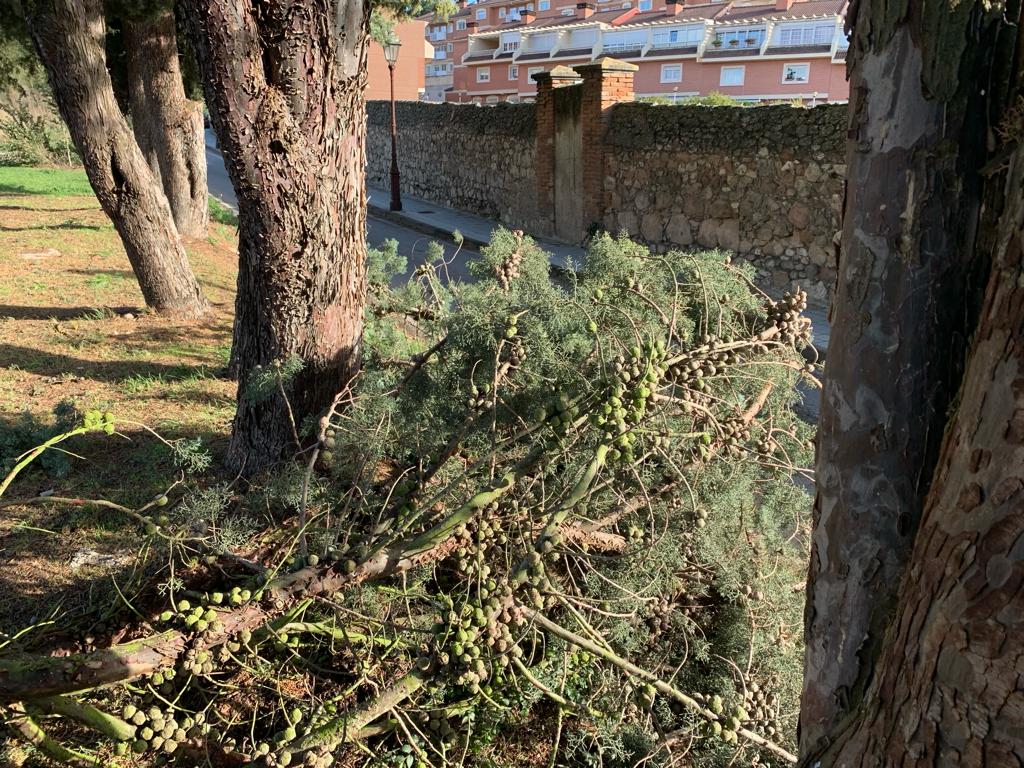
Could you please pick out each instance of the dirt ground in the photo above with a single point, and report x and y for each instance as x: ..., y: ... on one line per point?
x: 74, y: 333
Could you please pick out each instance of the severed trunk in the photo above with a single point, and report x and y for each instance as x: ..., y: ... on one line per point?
x: 168, y: 126
x: 69, y: 37
x: 928, y: 85
x: 947, y: 689
x: 285, y: 88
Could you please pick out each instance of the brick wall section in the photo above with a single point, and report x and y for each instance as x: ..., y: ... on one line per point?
x: 764, y: 182
x: 470, y: 158
x: 544, y: 158
x: 606, y: 82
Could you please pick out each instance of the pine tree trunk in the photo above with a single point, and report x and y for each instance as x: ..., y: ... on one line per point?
x: 927, y: 82
x: 285, y: 90
x: 69, y: 38
x: 949, y: 684
x: 168, y: 126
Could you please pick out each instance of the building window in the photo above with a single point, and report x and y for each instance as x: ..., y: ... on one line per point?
x: 796, y: 73
x: 568, y: 11
x: 510, y: 46
x: 671, y: 73
x: 817, y: 35
x: 513, y: 72
x: 501, y: 13
x: 644, y: 5
x: 544, y: 5
x: 732, y: 76
x: 491, y: 100
x: 483, y: 74
x: 449, y: 47
x: 533, y: 71
x: 460, y: 24
x: 672, y: 37
x: 481, y: 14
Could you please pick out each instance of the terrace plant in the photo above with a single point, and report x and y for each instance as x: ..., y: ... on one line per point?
x: 550, y: 515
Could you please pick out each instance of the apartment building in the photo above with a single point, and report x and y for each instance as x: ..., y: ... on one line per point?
x: 440, y: 69
x: 409, y: 74
x: 752, y: 50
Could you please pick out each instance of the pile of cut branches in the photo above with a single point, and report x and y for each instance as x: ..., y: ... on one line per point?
x: 556, y: 516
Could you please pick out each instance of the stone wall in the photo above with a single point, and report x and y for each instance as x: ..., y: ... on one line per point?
x: 475, y: 159
x: 765, y: 182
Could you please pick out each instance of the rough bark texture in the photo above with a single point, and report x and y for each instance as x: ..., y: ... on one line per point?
x: 168, y: 126
x: 69, y: 38
x: 914, y: 262
x: 284, y: 83
x: 949, y: 689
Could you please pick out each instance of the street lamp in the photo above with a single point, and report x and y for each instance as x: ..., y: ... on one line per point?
x: 391, y: 55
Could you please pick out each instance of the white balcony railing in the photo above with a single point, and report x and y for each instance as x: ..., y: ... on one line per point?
x: 615, y: 47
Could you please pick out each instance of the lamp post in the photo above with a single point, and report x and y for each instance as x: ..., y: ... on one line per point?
x: 391, y: 55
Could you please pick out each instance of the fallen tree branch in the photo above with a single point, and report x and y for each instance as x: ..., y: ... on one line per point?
x: 662, y: 687
x: 351, y: 726
x: 31, y: 731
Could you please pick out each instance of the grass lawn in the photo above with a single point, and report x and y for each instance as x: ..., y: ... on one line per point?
x: 52, y: 182
x: 74, y: 332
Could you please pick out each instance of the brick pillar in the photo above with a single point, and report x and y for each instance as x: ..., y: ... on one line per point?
x: 544, y: 162
x: 545, y: 143
x: 606, y: 82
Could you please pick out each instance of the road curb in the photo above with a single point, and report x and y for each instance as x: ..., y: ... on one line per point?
x: 397, y: 217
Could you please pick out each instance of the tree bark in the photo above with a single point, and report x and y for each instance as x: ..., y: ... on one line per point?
x: 949, y: 687
x: 907, y: 294
x: 168, y: 126
x: 926, y: 92
x: 68, y: 35
x: 284, y: 83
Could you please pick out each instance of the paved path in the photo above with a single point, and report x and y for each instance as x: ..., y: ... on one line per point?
x: 440, y: 222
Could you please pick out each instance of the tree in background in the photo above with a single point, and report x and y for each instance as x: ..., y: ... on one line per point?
x: 168, y: 125
x: 914, y: 604
x: 68, y: 35
x: 284, y: 86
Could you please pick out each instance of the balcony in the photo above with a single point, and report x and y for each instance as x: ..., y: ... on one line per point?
x: 737, y: 44
x: 624, y: 50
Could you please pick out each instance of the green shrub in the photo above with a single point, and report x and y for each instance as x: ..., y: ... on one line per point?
x: 34, y: 140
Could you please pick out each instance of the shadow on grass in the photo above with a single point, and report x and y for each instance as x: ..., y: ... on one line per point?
x: 62, y: 225
x: 13, y: 312
x: 62, y: 560
x: 43, y: 209
x: 50, y: 364
x: 125, y: 274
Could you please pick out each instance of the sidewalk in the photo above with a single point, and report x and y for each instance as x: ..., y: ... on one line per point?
x: 438, y: 221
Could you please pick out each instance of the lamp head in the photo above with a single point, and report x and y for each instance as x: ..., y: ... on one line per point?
x: 391, y: 51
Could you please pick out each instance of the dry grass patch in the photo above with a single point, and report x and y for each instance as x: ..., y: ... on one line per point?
x: 74, y: 332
